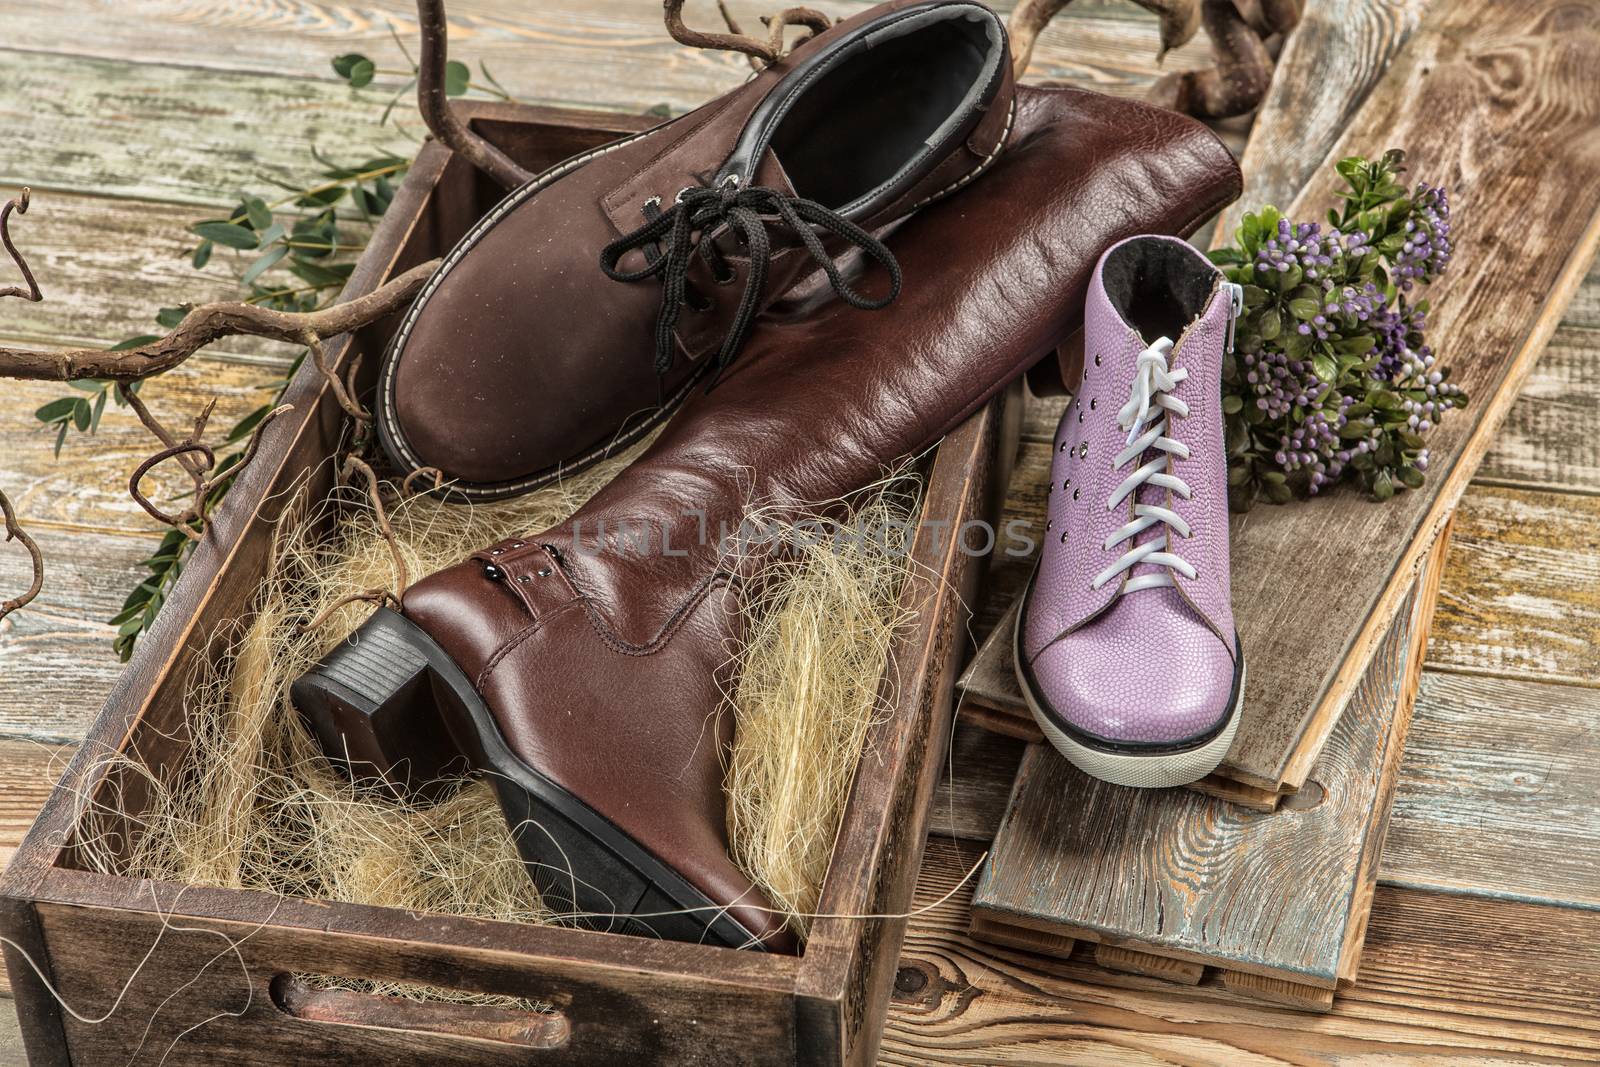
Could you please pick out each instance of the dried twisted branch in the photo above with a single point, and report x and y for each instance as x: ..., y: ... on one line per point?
x: 354, y: 464
x: 15, y: 532
x: 208, y: 323
x: 761, y: 53
x: 1240, y: 78
x: 195, y: 457
x: 1239, y: 31
x: 20, y: 206
x: 435, y: 105
x: 1179, y: 21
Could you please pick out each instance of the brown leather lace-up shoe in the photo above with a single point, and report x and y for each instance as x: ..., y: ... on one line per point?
x: 520, y: 360
x: 583, y: 675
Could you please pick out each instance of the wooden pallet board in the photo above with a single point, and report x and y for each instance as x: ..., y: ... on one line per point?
x: 1446, y: 980
x: 1277, y: 903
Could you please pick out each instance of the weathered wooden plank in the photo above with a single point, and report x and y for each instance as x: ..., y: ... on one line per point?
x: 1551, y: 438
x: 1585, y: 307
x: 1328, y: 66
x: 1445, y: 981
x: 27, y: 771
x: 56, y: 663
x: 88, y: 485
x: 174, y: 134
x: 1494, y: 771
x: 1201, y: 880
x: 1521, y: 595
x: 195, y: 135
x: 612, y: 54
x: 1498, y: 792
x: 1500, y: 105
x: 106, y: 266
x: 978, y: 774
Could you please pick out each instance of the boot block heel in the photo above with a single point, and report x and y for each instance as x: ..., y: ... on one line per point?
x: 371, y: 703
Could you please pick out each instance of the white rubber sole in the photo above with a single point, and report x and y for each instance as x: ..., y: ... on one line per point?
x: 1118, y: 768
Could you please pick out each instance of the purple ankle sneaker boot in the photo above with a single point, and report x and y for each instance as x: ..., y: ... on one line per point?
x: 1126, y: 648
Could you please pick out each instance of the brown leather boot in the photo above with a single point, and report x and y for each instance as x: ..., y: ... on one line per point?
x: 520, y: 361
x: 583, y: 674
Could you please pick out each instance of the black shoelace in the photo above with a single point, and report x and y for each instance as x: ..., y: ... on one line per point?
x: 670, y: 239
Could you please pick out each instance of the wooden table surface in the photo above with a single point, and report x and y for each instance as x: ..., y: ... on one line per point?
x: 133, y: 118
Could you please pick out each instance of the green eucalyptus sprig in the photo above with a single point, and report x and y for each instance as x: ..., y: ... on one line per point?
x: 291, y: 253
x: 1331, y: 377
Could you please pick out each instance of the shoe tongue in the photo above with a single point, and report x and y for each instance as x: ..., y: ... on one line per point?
x: 771, y: 174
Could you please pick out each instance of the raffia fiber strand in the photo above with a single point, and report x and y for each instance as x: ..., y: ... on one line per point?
x: 260, y: 808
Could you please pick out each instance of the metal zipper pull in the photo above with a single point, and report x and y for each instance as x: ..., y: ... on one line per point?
x: 1235, y: 309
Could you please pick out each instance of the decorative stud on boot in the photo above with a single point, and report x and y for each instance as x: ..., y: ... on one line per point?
x: 580, y: 312
x: 1126, y: 649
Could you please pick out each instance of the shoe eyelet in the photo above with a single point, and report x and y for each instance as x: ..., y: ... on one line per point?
x: 495, y: 551
x: 1063, y: 446
x: 1097, y: 359
x: 523, y: 578
x: 544, y: 572
x: 1065, y: 482
x: 1075, y: 494
x: 725, y: 279
x: 1063, y: 537
x: 1083, y: 450
x: 518, y: 544
x: 1047, y: 524
x: 1093, y: 400
x: 493, y: 573
x: 1080, y: 414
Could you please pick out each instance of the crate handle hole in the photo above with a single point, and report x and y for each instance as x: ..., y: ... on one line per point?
x: 309, y: 998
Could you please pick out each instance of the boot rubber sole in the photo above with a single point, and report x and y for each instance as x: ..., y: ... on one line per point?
x: 1152, y: 770
x: 391, y: 708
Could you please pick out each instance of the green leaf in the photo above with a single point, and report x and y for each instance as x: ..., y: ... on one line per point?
x: 322, y: 198
x: 81, y: 413
x: 1325, y: 368
x: 225, y: 233
x: 168, y: 318
x: 273, y: 233
x: 202, y: 255
x: 1270, y: 324
x: 1304, y: 310
x: 343, y: 65
x: 57, y: 410
x: 1411, y: 477
x: 361, y: 73
x: 264, y: 264
x: 258, y: 213
x: 1232, y: 404
x: 1355, y: 429
x: 1382, y: 486
x: 457, y: 77
x: 133, y: 342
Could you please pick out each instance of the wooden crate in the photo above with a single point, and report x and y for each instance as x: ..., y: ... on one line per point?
x: 226, y: 960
